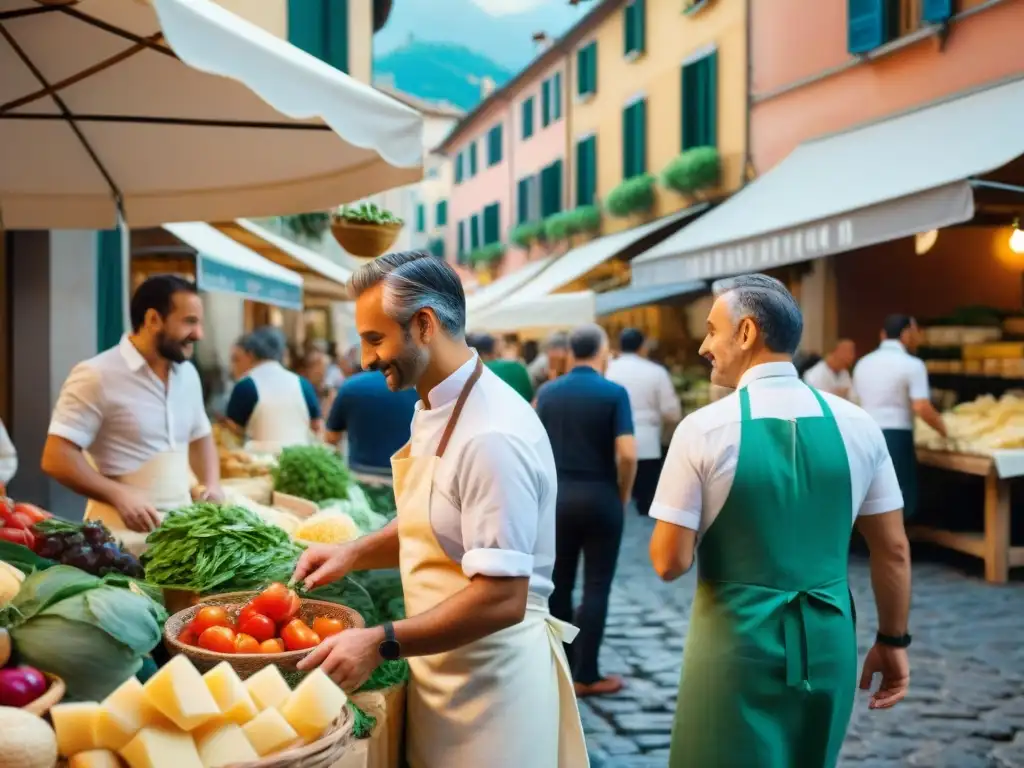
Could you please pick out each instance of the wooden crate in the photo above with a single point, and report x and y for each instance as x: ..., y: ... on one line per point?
x: 384, y: 747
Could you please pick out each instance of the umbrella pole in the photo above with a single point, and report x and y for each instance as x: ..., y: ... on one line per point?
x: 126, y: 269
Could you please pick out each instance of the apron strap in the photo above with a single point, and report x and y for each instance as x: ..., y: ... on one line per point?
x: 459, y: 404
x: 826, y: 412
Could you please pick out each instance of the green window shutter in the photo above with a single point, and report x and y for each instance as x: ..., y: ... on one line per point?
x: 472, y: 160
x: 868, y: 25
x: 307, y: 26
x: 634, y: 139
x: 436, y: 247
x: 586, y: 171
x: 421, y: 218
x: 523, y: 201
x: 582, y: 87
x: 462, y: 240
x: 474, y: 232
x: 492, y: 224
x: 628, y: 143
x: 336, y: 16
x: 528, y: 118
x: 699, y: 119
x: 586, y: 69
x: 441, y: 213
x: 494, y: 148
x: 556, y: 96
x: 635, y: 18
x: 458, y: 168
x: 936, y: 11
x: 551, y: 189
x: 545, y: 103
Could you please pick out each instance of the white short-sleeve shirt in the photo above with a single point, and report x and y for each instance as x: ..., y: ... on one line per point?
x: 701, y: 462
x: 887, y: 381
x: 493, y: 503
x: 117, y: 408
x: 652, y: 398
x: 822, y: 377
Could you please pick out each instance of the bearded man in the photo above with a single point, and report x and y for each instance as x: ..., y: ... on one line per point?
x: 474, y: 539
x: 138, y: 410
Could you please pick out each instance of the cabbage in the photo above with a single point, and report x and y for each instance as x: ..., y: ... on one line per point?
x: 357, y: 506
x: 83, y: 629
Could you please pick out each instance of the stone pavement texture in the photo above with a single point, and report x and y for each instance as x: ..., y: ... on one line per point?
x: 965, y: 708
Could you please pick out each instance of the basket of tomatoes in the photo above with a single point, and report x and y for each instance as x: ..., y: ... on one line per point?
x: 250, y: 630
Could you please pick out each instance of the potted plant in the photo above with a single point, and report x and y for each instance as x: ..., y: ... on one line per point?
x: 695, y: 169
x: 632, y: 196
x: 487, y: 257
x: 526, y: 234
x: 366, y: 230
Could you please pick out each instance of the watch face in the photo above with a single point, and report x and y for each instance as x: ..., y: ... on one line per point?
x: 390, y: 650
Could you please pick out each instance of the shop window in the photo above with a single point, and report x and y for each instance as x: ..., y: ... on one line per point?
x: 527, y: 118
x: 441, y: 214
x: 421, y: 218
x: 320, y: 28
x: 586, y: 171
x: 635, y: 22
x: 634, y: 139
x: 586, y: 69
x: 699, y: 120
x: 494, y: 145
x: 492, y: 224
x: 551, y: 189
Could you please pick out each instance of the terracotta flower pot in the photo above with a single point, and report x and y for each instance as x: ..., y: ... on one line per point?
x: 364, y: 241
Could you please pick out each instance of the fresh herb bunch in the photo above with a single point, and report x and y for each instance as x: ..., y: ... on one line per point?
x: 367, y: 213
x: 311, y: 472
x: 380, y: 497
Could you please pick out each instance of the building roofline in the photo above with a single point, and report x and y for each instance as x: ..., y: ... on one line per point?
x: 433, y: 108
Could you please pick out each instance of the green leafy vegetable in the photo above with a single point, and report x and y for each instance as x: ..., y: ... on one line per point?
x: 23, y: 558
x: 312, y: 472
x: 367, y: 213
x: 377, y: 595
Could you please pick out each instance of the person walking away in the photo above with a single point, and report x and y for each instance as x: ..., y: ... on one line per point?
x: 770, y: 481
x: 589, y: 422
x: 891, y: 384
x: 832, y: 372
x: 375, y: 420
x: 8, y: 458
x: 271, y: 406
x: 511, y: 371
x: 655, y: 405
x: 137, y: 408
x: 551, y: 362
x: 474, y: 539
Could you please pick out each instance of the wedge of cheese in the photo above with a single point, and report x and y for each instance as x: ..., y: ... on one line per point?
x: 269, y: 732
x: 314, y: 704
x: 268, y: 688
x: 225, y: 745
x: 123, y: 714
x: 156, y: 747
x: 75, y: 726
x: 178, y: 692
x: 231, y: 695
x: 96, y: 758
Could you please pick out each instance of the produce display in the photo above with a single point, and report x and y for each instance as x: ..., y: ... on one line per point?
x: 17, y: 521
x: 87, y: 546
x: 312, y: 472
x: 980, y: 427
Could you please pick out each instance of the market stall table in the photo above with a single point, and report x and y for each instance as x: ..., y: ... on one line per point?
x: 993, y: 546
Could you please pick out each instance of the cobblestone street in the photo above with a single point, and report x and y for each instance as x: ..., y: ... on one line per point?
x: 965, y: 708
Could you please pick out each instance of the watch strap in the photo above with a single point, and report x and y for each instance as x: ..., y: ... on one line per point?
x: 389, y: 631
x: 893, y: 641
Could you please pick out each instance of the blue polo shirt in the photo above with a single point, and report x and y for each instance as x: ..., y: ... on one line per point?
x: 244, y: 397
x: 583, y: 413
x: 377, y: 420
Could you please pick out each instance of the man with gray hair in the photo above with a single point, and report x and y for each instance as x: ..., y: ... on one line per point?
x: 769, y: 480
x: 474, y: 539
x: 551, y: 362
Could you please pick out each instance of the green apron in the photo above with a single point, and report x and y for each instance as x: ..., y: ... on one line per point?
x: 770, y: 667
x: 900, y: 443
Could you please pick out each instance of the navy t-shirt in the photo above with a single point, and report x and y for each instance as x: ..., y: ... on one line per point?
x: 377, y: 420
x: 583, y: 413
x: 244, y: 397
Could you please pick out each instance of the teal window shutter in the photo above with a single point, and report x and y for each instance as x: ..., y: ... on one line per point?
x: 634, y: 139
x: 868, y: 25
x: 586, y: 68
x: 556, y: 96
x: 421, y: 218
x: 474, y: 232
x: 634, y: 27
x: 472, y: 160
x: 307, y: 24
x: 545, y: 103
x: 462, y: 240
x: 699, y: 119
x: 494, y: 145
x: 527, y: 118
x: 441, y: 213
x: 110, y: 294
x: 458, y: 168
x: 492, y: 224
x: 336, y: 17
x: 523, y: 201
x: 551, y: 189
x: 582, y: 87
x: 936, y: 11
x: 586, y: 171
x: 436, y: 247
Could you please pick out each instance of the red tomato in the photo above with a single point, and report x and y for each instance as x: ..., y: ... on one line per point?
x: 246, y: 644
x: 298, y: 636
x: 210, y: 616
x: 247, y: 610
x: 258, y: 626
x: 218, y: 640
x: 276, y: 645
x: 187, y: 636
x: 277, y: 602
x: 34, y: 513
x: 325, y: 627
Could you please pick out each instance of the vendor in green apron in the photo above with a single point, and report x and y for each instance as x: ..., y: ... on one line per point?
x: 770, y: 480
x: 891, y: 384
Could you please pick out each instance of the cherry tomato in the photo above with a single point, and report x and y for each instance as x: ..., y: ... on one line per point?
x: 246, y: 644
x: 218, y: 640
x: 247, y: 610
x: 259, y: 626
x: 210, y: 616
x: 275, y: 645
x: 277, y: 602
x: 187, y: 636
x: 325, y: 627
x: 298, y: 636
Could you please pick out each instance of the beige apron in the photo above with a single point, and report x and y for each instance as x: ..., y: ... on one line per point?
x: 164, y: 480
x: 504, y: 701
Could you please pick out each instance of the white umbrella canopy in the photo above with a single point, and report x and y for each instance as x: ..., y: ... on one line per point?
x: 181, y: 111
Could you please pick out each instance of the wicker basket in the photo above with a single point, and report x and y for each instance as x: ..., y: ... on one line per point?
x: 364, y: 241
x: 247, y: 664
x: 53, y: 696
x: 322, y: 753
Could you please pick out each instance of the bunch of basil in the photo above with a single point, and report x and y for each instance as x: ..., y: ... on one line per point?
x: 91, y: 632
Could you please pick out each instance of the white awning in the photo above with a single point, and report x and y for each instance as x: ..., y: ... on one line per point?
x: 545, y: 313
x: 224, y: 266
x: 491, y: 295
x: 302, y: 258
x: 891, y: 179
x: 610, y: 302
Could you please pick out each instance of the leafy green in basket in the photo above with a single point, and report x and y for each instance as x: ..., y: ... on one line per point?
x: 311, y: 472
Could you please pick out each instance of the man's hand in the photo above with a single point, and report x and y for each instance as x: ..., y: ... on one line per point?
x: 138, y: 514
x: 894, y: 666
x: 348, y: 658
x: 323, y: 564
x: 212, y: 493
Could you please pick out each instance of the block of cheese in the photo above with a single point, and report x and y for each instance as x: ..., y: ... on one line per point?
x: 74, y: 725
x: 267, y: 688
x: 269, y: 732
x: 225, y: 745
x: 95, y: 758
x: 123, y: 714
x: 314, y: 704
x: 179, y: 693
x: 156, y: 747
x: 230, y: 693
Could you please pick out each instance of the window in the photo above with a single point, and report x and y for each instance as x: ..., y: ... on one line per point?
x: 634, y: 25
x: 472, y: 160
x: 458, y: 168
x: 528, y: 118
x: 545, y: 104
x: 551, y: 100
x: 936, y: 11
x: 460, y: 256
x: 869, y: 24
x: 492, y: 224
x: 441, y: 214
x: 556, y: 96
x: 586, y: 69
x: 320, y: 28
x: 699, y: 119
x: 436, y: 248
x: 494, y: 145
x: 551, y: 189
x: 523, y: 200
x: 634, y: 139
x: 474, y: 232
x: 586, y: 170
x: 421, y: 218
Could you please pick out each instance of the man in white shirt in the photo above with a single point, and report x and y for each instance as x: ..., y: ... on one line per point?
x: 655, y: 405
x: 138, y: 410
x: 891, y: 384
x: 474, y: 538
x: 770, y: 480
x: 832, y: 372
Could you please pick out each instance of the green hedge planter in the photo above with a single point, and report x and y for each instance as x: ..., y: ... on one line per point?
x: 308, y: 225
x: 582, y: 220
x: 525, y: 235
x: 487, y: 256
x: 693, y: 170
x: 635, y: 195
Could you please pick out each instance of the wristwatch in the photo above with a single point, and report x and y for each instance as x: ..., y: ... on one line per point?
x: 893, y: 641
x: 389, y: 649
